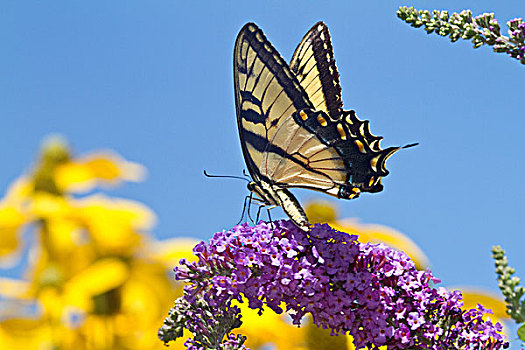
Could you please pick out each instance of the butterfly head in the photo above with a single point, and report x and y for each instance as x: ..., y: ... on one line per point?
x: 254, y: 187
x: 264, y: 191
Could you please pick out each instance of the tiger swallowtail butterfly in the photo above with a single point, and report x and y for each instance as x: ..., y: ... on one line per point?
x: 292, y: 126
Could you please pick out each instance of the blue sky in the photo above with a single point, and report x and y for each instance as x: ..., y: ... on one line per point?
x: 153, y: 81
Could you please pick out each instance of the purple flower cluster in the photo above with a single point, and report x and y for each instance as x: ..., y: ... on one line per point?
x: 209, y: 326
x: 232, y: 342
x: 482, y: 30
x: 370, y: 291
x: 517, y: 36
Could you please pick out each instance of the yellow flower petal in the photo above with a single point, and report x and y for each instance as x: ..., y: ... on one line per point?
x: 114, y: 224
x: 12, y: 288
x: 45, y: 205
x: 473, y: 296
x: 84, y: 173
x: 19, y: 190
x: 74, y: 177
x: 170, y: 251
x: 11, y: 221
x: 323, y: 211
x: 142, y: 308
x: 52, y: 302
x: 64, y: 236
x: 100, y: 277
x: 132, y: 213
x: 25, y: 334
x: 319, y: 338
x: 382, y: 234
x: 269, y: 328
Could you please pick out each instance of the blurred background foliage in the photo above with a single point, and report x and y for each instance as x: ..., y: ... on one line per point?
x: 96, y: 278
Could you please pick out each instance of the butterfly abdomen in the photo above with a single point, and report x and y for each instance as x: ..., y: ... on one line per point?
x: 293, y: 209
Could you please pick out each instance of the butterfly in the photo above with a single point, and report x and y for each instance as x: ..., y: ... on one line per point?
x: 292, y: 126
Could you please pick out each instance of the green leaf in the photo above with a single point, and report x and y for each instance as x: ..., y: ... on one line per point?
x: 521, y: 332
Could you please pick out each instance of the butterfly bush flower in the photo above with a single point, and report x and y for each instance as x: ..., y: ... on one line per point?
x: 483, y: 29
x: 511, y: 289
x: 369, y: 291
x: 209, y: 325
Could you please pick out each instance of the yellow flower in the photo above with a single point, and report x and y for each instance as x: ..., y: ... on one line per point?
x: 325, y: 212
x: 374, y: 233
x: 472, y: 296
x: 84, y: 173
x: 116, y: 226
x: 113, y: 303
x: 270, y: 329
x: 11, y: 288
x: 13, y: 217
x: 93, y: 273
x: 19, y: 191
x: 41, y: 196
x: 11, y: 221
x: 100, y: 277
x: 170, y: 251
x: 25, y: 333
x: 146, y: 297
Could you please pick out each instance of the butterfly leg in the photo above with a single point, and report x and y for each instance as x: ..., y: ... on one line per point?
x: 258, y: 213
x: 269, y: 216
x: 261, y: 204
x: 249, y: 198
x: 250, y: 208
x: 268, y: 208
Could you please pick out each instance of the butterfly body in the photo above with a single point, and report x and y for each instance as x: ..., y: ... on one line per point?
x: 293, y: 129
x: 274, y: 195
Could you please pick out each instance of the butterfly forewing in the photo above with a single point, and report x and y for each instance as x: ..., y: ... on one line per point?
x: 314, y: 65
x: 266, y: 93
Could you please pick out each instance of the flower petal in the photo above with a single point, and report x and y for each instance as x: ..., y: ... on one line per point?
x: 84, y: 173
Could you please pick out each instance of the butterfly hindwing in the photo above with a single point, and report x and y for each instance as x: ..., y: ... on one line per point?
x: 314, y: 65
x: 338, y: 157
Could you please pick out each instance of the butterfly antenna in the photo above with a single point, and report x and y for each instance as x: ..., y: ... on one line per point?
x: 409, y: 145
x: 245, y: 174
x: 226, y: 176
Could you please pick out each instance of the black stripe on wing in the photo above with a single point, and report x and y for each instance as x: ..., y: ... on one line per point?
x: 261, y: 145
x: 314, y: 65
